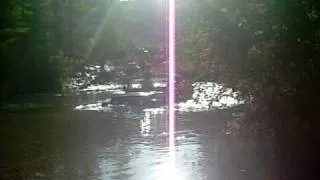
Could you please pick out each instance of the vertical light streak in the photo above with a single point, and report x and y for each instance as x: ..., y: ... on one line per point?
x: 171, y: 76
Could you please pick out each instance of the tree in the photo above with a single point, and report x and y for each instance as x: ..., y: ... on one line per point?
x: 265, y: 49
x: 42, y: 41
x: 130, y: 35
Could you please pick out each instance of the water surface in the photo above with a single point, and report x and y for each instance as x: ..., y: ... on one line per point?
x: 47, y: 137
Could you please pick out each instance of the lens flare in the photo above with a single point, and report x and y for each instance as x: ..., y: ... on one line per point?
x: 171, y: 76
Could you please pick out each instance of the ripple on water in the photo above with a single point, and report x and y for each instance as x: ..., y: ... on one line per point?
x: 124, y: 143
x: 148, y: 158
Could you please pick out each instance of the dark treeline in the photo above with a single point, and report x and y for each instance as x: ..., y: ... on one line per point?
x: 269, y: 50
x: 25, y: 63
x: 42, y: 41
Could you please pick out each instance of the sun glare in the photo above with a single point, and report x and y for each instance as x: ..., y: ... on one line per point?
x: 169, y: 172
x: 171, y: 71
x: 171, y: 64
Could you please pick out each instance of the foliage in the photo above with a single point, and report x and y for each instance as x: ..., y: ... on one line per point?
x: 268, y: 50
x: 254, y: 46
x: 130, y: 36
x: 43, y: 42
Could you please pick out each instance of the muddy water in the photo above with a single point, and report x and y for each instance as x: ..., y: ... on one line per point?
x: 49, y: 138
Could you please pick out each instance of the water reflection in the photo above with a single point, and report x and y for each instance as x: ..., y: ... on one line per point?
x: 151, y: 161
x: 169, y: 171
x: 115, y: 143
x: 153, y: 121
x: 206, y: 96
x: 146, y: 124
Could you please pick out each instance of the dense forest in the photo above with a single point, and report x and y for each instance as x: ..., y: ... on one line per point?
x: 37, y: 37
x: 268, y: 50
x: 43, y: 41
x: 265, y: 49
x: 48, y: 41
